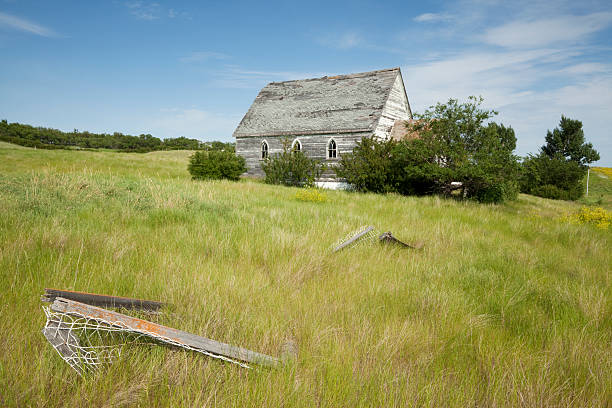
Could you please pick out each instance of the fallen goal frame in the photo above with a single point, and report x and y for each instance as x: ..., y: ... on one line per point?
x: 64, y: 315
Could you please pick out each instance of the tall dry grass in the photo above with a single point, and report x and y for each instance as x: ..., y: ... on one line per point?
x: 504, y: 306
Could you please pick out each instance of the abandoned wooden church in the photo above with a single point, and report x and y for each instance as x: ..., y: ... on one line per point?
x: 323, y: 117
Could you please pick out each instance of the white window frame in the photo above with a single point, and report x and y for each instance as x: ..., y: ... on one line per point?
x: 296, y: 141
x: 261, y: 150
x: 327, y: 149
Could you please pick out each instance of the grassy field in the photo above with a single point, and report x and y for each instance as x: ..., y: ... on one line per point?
x: 505, y: 305
x: 600, y: 188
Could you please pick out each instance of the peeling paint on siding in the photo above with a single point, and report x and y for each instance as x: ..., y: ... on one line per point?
x: 396, y: 108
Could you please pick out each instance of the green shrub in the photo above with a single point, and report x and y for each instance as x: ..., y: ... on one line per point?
x: 550, y: 191
x: 415, y: 169
x: 368, y: 167
x: 412, y: 167
x: 491, y: 194
x: 497, y: 193
x: 555, y: 177
x: 216, y: 165
x: 291, y: 168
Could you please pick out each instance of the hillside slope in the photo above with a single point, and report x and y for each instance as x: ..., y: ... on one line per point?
x: 505, y: 305
x: 600, y: 188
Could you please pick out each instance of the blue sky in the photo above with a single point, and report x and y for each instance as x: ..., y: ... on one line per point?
x: 193, y: 68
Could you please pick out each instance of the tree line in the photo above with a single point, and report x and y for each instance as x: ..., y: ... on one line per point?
x: 47, y: 138
x: 460, y: 152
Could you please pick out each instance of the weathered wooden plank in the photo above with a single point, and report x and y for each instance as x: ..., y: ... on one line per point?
x: 175, y: 336
x: 101, y: 300
x: 353, y: 239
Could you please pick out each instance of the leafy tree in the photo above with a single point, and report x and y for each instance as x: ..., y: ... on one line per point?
x: 291, y: 168
x: 216, y: 165
x: 558, y: 170
x: 567, y: 141
x: 454, y: 147
x: 181, y: 143
x: 493, y: 170
x: 480, y: 156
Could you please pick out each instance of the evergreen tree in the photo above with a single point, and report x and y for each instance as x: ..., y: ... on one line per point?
x: 558, y: 171
x: 567, y: 141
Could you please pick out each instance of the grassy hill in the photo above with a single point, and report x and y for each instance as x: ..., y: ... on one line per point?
x: 600, y: 188
x: 505, y: 305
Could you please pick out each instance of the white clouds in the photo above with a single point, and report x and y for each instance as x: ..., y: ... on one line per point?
x: 20, y: 24
x: 239, y: 78
x: 344, y: 41
x: 194, y: 123
x: 541, y: 62
x: 588, y: 101
x: 144, y: 10
x: 149, y: 11
x: 432, y: 17
x: 586, y: 68
x: 199, y: 56
x: 474, y: 73
x: 547, y: 31
x: 594, y: 94
x: 348, y: 40
x: 529, y: 94
x: 172, y: 13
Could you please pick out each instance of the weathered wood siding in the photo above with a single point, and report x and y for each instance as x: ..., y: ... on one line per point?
x: 345, y: 108
x: 396, y: 108
x: 314, y: 146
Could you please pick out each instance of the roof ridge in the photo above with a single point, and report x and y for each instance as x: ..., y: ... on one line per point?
x: 345, y: 76
x: 341, y: 103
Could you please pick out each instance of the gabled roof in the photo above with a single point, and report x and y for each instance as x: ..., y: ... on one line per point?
x: 337, y: 104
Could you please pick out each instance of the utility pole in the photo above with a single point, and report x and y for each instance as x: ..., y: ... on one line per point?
x: 588, y: 173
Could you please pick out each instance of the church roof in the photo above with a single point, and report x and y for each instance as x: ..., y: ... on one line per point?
x: 336, y: 104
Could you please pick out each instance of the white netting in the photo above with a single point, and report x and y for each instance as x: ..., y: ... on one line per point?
x: 362, y: 236
x: 86, y: 343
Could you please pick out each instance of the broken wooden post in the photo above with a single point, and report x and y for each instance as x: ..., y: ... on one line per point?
x: 388, y: 238
x: 162, y: 333
x: 101, y: 300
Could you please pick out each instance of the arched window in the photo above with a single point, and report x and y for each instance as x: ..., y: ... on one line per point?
x: 264, y: 150
x: 296, y: 146
x: 332, y: 149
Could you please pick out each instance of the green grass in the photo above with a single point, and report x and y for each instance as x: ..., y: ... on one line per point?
x: 600, y: 190
x: 504, y: 306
